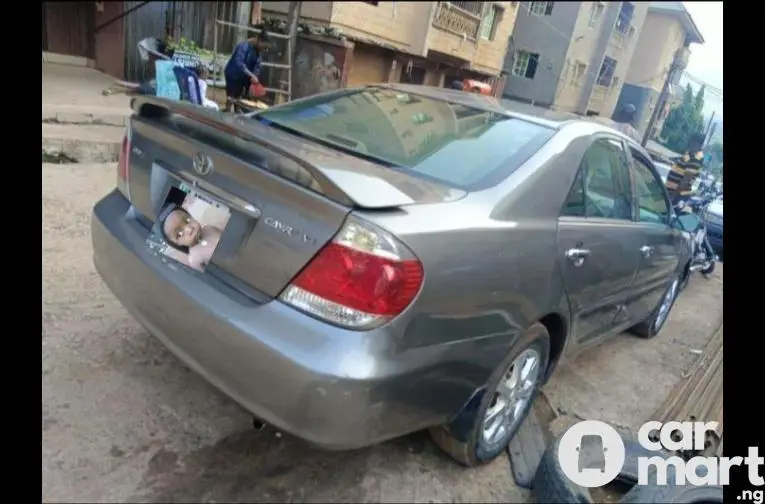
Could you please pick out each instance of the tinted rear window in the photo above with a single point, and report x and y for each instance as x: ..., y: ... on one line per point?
x: 461, y: 146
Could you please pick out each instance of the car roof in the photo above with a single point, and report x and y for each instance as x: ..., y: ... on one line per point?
x: 554, y: 119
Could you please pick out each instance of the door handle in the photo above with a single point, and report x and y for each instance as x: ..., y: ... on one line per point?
x: 577, y: 256
x: 646, y: 251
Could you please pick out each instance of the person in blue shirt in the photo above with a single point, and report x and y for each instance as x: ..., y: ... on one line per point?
x: 243, y: 68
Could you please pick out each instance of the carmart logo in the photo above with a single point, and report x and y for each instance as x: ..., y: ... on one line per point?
x: 591, y: 454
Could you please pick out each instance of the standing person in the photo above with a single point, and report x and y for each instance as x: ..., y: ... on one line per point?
x: 243, y: 68
x: 625, y: 120
x: 686, y: 169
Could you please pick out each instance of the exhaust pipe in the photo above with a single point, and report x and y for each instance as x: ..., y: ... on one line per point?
x: 697, y: 267
x: 258, y: 424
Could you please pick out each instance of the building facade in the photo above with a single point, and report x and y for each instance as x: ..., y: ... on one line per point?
x: 430, y: 43
x: 573, y: 56
x: 668, y: 27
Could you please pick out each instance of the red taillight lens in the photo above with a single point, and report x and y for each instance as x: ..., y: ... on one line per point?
x: 359, y: 279
x: 123, y: 167
x: 124, y: 161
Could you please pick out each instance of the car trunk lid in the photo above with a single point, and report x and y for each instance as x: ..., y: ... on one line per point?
x: 288, y: 196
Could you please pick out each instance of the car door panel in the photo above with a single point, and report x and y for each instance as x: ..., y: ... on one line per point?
x: 599, y: 289
x: 659, y: 259
x: 597, y: 221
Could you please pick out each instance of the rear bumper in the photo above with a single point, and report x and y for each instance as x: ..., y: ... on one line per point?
x: 334, y: 388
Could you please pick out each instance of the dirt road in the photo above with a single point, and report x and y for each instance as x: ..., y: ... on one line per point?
x: 122, y: 420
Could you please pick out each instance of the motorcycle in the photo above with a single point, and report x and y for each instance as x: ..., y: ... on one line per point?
x: 692, y: 216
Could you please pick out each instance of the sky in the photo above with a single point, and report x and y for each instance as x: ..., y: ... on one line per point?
x: 706, y: 61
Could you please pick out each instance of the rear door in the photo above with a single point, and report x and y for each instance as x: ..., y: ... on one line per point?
x: 598, y: 243
x: 659, y: 257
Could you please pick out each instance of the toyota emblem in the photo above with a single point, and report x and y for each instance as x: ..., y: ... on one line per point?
x: 203, y: 164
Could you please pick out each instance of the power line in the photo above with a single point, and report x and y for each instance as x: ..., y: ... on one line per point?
x: 707, y: 87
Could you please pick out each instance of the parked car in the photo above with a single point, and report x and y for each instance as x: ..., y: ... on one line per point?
x: 714, y: 218
x: 397, y: 257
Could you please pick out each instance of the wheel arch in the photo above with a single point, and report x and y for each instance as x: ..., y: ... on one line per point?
x: 558, y: 328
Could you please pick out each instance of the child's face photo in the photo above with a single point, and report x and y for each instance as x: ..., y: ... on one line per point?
x: 180, y: 228
x: 189, y: 227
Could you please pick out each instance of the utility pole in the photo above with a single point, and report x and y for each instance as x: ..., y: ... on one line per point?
x: 708, y: 131
x: 679, y: 62
x: 293, y: 14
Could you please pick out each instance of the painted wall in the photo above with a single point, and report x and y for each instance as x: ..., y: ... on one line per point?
x: 643, y: 98
x: 320, y: 65
x: 660, y: 38
x: 548, y: 36
x: 110, y: 40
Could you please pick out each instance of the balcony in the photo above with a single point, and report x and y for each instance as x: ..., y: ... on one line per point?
x: 459, y: 18
x: 620, y: 38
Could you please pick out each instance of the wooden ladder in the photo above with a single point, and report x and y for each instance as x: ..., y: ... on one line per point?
x: 282, y: 66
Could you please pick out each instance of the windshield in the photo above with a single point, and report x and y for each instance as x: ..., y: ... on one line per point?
x: 461, y: 146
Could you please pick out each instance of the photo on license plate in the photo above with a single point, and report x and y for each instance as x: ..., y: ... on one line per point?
x: 189, y: 227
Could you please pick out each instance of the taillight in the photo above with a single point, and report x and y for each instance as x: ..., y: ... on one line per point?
x: 123, y: 166
x: 362, y: 278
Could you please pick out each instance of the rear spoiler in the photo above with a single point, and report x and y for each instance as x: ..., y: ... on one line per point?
x: 349, y: 180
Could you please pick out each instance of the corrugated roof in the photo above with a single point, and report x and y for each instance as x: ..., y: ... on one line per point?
x: 678, y: 10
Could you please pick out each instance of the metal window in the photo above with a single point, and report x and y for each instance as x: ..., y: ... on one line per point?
x: 541, y: 8
x: 490, y: 21
x: 525, y: 64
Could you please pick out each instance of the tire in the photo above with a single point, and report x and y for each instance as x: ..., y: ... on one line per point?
x: 463, y: 439
x: 651, y: 327
x: 709, y: 269
x: 672, y: 494
x: 551, y: 486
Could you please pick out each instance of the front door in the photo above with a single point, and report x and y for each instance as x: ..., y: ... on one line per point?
x: 659, y: 257
x: 598, y: 246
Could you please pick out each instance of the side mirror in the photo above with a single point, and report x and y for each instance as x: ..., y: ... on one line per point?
x: 676, y: 222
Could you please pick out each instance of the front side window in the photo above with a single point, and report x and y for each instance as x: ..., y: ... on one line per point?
x: 649, y: 191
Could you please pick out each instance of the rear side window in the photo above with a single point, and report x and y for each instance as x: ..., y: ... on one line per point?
x: 602, y: 186
x: 451, y: 143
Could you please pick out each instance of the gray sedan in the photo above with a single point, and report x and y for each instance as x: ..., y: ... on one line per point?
x: 369, y: 262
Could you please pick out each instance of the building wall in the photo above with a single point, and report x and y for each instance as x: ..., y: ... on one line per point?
x: 643, y: 98
x: 548, y: 36
x: 320, y: 65
x: 110, y: 40
x: 69, y: 28
x: 660, y: 38
x: 490, y: 57
x: 369, y: 65
x: 313, y: 12
x: 624, y: 55
x: 402, y: 25
x: 583, y: 48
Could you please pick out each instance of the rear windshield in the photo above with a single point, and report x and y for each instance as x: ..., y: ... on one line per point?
x: 451, y: 143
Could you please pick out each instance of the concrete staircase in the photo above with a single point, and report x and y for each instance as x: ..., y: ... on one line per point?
x: 79, y: 124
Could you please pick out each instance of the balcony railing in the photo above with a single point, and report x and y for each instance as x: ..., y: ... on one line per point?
x: 621, y: 38
x: 455, y: 17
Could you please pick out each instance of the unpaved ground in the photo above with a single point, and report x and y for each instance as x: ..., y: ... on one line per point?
x: 122, y: 420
